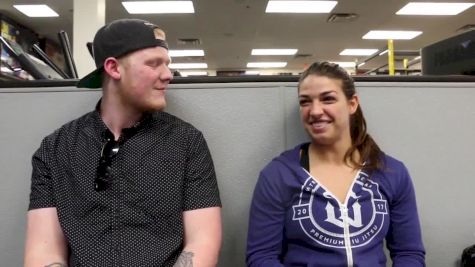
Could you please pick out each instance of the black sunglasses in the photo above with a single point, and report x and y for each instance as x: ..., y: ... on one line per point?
x: 104, y: 170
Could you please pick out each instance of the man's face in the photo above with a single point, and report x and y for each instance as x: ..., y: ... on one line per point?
x: 144, y: 76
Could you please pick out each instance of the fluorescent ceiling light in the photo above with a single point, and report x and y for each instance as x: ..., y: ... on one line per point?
x: 273, y: 52
x: 415, y: 8
x: 358, y: 52
x: 158, y: 7
x: 36, y: 10
x: 361, y: 64
x: 395, y: 35
x: 266, y: 64
x: 193, y: 73
x: 300, y: 6
x: 346, y: 64
x: 384, y: 52
x: 188, y: 66
x: 186, y: 53
x: 252, y: 72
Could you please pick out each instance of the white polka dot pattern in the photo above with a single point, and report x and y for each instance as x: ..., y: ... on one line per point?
x: 164, y: 169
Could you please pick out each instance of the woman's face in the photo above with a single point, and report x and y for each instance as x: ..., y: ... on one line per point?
x: 325, y: 111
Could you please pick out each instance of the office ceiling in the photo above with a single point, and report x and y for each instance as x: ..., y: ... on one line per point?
x: 229, y: 29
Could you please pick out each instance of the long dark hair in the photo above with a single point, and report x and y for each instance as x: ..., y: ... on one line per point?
x: 361, y: 141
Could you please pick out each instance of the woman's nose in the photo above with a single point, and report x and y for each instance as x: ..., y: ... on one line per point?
x: 316, y: 108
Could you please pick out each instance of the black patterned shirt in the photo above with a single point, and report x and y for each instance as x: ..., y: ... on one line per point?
x: 161, y: 170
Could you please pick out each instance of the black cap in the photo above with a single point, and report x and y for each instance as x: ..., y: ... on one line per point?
x: 117, y: 39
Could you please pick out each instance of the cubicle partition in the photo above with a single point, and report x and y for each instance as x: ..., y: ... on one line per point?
x: 428, y: 125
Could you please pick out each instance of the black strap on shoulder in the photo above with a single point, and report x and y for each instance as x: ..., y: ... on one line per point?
x: 304, y: 161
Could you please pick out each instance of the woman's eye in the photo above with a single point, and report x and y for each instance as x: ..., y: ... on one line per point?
x: 329, y: 99
x: 303, y: 102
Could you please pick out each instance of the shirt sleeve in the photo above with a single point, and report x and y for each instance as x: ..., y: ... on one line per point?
x: 201, y: 187
x: 404, y: 239
x: 266, y: 224
x: 41, y: 195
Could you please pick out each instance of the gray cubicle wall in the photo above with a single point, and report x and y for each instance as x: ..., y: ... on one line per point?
x: 430, y: 126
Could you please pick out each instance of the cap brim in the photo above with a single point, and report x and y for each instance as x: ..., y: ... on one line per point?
x: 92, y: 80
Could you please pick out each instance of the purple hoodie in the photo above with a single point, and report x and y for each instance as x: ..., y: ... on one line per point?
x: 295, y: 221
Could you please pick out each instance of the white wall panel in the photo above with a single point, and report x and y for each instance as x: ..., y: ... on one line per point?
x: 429, y: 126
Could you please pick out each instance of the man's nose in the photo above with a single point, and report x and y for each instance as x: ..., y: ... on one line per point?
x: 166, y: 74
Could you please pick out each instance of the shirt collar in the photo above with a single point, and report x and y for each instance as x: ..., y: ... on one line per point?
x: 100, y: 130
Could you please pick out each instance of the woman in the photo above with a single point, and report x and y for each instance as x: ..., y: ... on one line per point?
x: 333, y: 201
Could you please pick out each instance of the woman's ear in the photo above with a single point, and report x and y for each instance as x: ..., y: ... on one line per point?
x: 111, y: 67
x: 354, y: 102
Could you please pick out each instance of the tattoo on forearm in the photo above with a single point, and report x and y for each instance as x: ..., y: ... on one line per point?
x: 56, y: 264
x: 184, y: 260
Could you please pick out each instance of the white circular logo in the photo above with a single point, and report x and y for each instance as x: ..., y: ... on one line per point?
x: 323, y: 219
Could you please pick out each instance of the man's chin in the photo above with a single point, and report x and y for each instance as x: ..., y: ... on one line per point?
x: 157, y: 107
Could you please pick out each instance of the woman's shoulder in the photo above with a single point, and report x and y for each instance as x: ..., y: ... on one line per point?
x: 393, y: 169
x: 290, y: 156
x: 288, y: 160
x: 391, y: 162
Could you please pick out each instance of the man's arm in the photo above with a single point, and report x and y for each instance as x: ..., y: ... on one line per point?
x: 202, y: 238
x: 45, y: 245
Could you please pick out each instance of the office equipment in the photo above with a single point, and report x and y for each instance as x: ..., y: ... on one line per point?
x: 38, y: 69
x: 68, y: 56
x: 454, y: 55
x: 17, y: 52
x: 43, y: 56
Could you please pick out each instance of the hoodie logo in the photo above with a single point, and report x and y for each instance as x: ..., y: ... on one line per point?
x: 355, y: 222
x: 331, y: 224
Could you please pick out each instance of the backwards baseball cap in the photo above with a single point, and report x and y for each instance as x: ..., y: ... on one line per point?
x: 117, y: 39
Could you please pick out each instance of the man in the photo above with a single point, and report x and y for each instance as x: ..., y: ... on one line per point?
x: 126, y: 184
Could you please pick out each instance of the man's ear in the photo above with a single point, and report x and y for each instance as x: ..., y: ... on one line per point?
x: 111, y: 67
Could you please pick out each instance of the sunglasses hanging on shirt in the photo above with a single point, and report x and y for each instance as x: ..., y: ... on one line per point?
x: 104, y: 170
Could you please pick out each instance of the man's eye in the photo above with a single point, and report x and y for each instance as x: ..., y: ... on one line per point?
x: 153, y: 63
